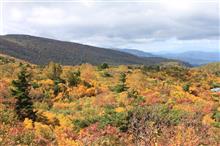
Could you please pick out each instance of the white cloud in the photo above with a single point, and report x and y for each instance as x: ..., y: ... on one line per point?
x: 135, y: 25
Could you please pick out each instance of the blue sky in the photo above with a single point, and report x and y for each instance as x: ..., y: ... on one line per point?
x: 151, y: 26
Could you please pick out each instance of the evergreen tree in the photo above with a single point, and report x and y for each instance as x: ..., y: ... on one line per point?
x: 20, y: 90
x: 121, y: 86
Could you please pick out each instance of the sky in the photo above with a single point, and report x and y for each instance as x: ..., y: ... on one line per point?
x: 147, y: 25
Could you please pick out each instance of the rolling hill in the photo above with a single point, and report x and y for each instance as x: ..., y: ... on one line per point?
x: 39, y: 50
x: 194, y: 57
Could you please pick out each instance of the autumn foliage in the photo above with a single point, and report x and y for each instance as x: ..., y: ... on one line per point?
x: 107, y: 105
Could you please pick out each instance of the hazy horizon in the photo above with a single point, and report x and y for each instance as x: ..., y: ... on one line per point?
x: 150, y: 26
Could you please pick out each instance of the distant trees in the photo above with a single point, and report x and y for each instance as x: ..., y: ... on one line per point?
x: 20, y: 90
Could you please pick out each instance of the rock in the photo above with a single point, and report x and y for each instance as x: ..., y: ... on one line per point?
x: 215, y: 90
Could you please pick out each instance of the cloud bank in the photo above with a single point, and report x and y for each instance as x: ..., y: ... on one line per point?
x: 150, y: 26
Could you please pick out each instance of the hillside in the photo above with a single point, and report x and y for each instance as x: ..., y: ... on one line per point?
x: 194, y: 57
x: 42, y: 50
x: 113, y: 106
x: 137, y: 53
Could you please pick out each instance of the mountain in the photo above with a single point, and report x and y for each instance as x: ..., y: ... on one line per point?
x: 194, y: 57
x: 137, y: 53
x: 39, y: 50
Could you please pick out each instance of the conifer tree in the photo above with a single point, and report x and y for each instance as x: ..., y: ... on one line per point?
x: 20, y: 90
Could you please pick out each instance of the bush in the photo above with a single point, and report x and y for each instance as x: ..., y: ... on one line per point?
x: 132, y: 94
x: 186, y: 87
x: 119, y: 88
x: 87, y: 84
x: 53, y: 71
x: 103, y: 66
x: 85, y: 122
x: 73, y: 78
x: 116, y: 119
x: 106, y: 74
x: 25, y: 138
x: 7, y: 116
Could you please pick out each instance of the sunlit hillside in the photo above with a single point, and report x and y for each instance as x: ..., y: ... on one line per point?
x: 159, y: 105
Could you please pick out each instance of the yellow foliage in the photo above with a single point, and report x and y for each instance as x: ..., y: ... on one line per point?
x: 122, y: 98
x: 185, y: 136
x: 207, y: 120
x: 42, y: 129
x: 120, y: 109
x: 50, y: 116
x: 28, y: 123
x: 47, y: 82
x: 137, y: 81
x: 64, y: 120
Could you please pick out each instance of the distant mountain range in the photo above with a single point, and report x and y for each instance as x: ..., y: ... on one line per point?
x: 39, y: 50
x: 192, y: 57
x: 137, y: 53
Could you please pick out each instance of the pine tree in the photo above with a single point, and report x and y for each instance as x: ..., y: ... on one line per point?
x: 121, y: 86
x: 20, y: 90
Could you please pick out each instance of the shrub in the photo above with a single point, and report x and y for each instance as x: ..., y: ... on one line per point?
x: 103, y: 66
x: 116, y: 119
x: 73, y: 78
x: 186, y: 87
x: 53, y: 71
x: 24, y: 138
x: 119, y: 88
x: 85, y: 122
x: 7, y: 116
x: 132, y: 94
x: 106, y: 74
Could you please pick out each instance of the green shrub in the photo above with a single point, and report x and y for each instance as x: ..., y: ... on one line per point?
x: 87, y: 84
x: 106, y: 74
x: 119, y: 120
x: 103, y: 66
x: 186, y: 87
x: 85, y: 122
x: 119, y: 88
x: 216, y: 116
x: 73, y: 78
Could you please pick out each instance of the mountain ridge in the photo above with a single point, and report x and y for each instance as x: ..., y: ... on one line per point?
x: 192, y: 57
x: 38, y: 50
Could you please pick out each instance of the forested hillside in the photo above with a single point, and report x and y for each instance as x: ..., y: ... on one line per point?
x: 42, y: 50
